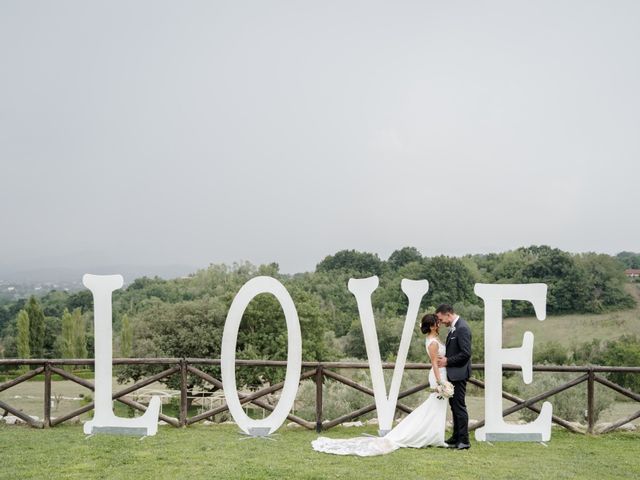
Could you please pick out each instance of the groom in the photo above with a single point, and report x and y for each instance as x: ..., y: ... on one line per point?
x: 458, y: 363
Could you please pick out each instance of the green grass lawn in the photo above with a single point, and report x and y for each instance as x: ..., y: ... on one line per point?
x: 221, y: 452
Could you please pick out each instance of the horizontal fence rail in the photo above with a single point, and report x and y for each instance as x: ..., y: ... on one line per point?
x: 316, y: 371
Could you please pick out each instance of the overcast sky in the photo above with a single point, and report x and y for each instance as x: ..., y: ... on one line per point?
x: 196, y: 132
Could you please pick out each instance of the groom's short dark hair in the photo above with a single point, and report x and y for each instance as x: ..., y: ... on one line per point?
x: 445, y: 308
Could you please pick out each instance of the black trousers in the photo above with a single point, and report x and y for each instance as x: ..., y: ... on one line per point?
x: 459, y: 412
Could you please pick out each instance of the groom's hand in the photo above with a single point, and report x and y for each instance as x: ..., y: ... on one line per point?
x: 442, y: 361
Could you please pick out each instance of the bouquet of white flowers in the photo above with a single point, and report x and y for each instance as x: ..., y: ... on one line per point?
x: 444, y: 390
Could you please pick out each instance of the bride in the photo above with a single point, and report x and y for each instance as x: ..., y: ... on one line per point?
x: 422, y: 427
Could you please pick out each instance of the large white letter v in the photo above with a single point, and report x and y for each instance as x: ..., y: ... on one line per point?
x: 362, y: 288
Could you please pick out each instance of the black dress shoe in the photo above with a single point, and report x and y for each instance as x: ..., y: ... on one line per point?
x: 463, y: 446
x: 451, y: 441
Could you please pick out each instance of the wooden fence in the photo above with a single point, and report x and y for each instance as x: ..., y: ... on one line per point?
x: 318, y: 371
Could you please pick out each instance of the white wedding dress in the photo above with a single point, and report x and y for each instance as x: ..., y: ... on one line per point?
x: 422, y: 427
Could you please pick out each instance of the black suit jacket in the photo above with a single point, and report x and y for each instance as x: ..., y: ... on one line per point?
x: 459, y: 352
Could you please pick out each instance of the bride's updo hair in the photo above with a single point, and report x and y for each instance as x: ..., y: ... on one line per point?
x: 428, y: 321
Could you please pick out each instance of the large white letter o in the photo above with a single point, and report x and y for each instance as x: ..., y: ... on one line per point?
x: 249, y: 290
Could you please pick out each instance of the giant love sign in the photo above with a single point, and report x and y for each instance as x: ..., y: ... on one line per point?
x: 495, y: 429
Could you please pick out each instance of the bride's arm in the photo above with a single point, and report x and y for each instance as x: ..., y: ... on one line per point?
x: 433, y: 354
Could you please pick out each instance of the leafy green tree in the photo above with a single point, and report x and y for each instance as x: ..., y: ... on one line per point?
x: 79, y: 334
x: 449, y: 281
x: 9, y: 312
x: 389, y: 331
x: 474, y: 269
x: 552, y: 353
x: 263, y: 333
x: 606, y: 281
x: 508, y: 266
x: 399, y: 258
x: 23, y: 337
x: 36, y: 327
x: 577, y: 283
x: 629, y: 259
x: 619, y: 352
x: 362, y: 264
x: 185, y: 329
x: 82, y: 300
x: 54, y: 302
x: 568, y: 285
x: 485, y: 265
x: 336, y: 301
x: 126, y: 337
x: 624, y: 351
x: 72, y: 342
x: 52, y: 330
x: 67, y: 340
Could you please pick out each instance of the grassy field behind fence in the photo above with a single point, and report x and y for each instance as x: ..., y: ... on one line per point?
x: 576, y: 329
x: 221, y: 452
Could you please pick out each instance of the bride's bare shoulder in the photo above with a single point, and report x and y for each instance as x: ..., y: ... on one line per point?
x: 432, y: 341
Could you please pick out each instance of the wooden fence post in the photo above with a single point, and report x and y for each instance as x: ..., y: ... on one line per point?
x: 590, y: 400
x: 319, y: 378
x: 47, y: 395
x: 183, y: 392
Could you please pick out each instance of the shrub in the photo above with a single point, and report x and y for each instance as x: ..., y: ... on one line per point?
x: 551, y: 353
x: 624, y: 351
x: 570, y: 404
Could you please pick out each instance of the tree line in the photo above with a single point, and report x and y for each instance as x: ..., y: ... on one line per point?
x: 185, y: 317
x: 629, y: 259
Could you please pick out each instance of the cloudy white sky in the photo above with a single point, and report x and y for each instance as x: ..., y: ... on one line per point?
x: 197, y: 132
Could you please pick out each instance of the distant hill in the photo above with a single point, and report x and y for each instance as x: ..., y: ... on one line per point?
x: 72, y: 276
